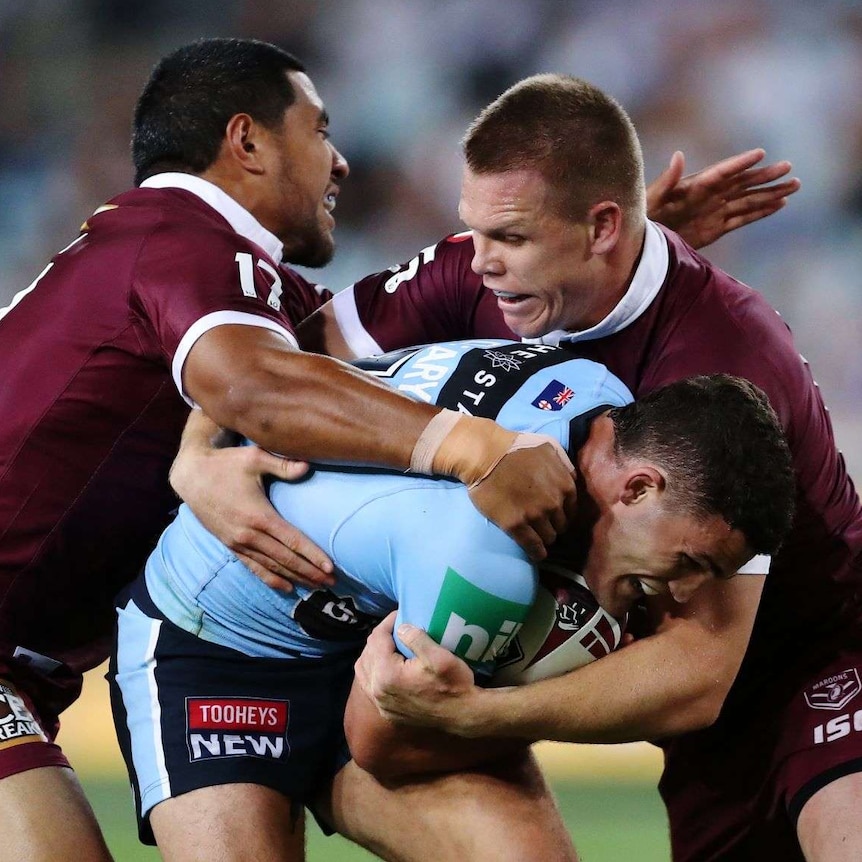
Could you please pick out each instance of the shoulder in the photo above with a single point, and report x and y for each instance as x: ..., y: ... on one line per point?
x: 707, y: 322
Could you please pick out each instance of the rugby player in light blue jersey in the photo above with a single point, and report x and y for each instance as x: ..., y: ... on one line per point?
x: 223, y: 687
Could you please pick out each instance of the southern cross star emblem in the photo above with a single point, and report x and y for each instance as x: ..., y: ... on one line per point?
x: 503, y: 360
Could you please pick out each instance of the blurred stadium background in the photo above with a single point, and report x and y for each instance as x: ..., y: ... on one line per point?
x: 401, y: 79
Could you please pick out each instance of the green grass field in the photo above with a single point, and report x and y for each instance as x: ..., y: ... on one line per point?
x: 610, y: 823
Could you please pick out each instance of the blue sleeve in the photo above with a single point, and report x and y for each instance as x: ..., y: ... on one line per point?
x: 450, y: 571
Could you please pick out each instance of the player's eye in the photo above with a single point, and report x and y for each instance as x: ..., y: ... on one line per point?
x: 648, y: 586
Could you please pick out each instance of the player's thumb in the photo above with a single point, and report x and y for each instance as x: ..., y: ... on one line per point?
x: 417, y: 641
x: 670, y: 176
x: 285, y: 469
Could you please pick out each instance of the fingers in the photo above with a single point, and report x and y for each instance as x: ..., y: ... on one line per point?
x: 533, y: 543
x: 265, y: 570
x: 379, y: 651
x: 291, y: 547
x: 765, y: 174
x: 735, y: 177
x: 426, y: 650
x: 530, y: 494
x: 284, y: 552
x: 729, y: 168
x: 755, y: 198
x: 285, y: 469
x: 667, y: 179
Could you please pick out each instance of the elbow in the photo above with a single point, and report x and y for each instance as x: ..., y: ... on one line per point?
x: 704, y: 714
x: 383, y: 768
x: 702, y: 708
x: 379, y: 754
x: 375, y: 760
x: 367, y: 750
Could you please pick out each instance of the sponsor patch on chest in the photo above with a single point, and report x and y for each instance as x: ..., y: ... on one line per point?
x: 236, y: 727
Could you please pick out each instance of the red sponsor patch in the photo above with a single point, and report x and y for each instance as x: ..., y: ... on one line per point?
x: 248, y: 714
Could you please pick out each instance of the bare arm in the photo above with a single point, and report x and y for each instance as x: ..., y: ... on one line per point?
x: 704, y: 206
x: 671, y: 682
x: 316, y: 408
x: 392, y: 751
x: 306, y: 406
x: 224, y: 484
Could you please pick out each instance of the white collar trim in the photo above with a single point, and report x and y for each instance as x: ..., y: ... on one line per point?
x: 646, y: 283
x: 239, y: 218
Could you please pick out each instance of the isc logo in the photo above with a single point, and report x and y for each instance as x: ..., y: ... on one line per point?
x: 838, y: 727
x: 472, y: 642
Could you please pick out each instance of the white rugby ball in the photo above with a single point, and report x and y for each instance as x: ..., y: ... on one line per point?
x: 565, y: 629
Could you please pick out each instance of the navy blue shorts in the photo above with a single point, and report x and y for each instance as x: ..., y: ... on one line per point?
x: 192, y: 714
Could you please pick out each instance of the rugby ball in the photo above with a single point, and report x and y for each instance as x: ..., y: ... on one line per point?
x: 565, y: 629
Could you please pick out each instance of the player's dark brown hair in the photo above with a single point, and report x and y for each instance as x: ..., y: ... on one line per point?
x: 580, y: 140
x: 182, y: 113
x: 723, y: 450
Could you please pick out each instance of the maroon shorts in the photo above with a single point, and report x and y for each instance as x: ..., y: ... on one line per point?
x: 29, y: 708
x: 735, y: 791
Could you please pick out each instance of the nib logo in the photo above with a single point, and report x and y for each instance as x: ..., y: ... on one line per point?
x: 474, y: 624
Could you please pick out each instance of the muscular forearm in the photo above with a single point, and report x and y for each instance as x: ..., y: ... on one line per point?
x: 309, y: 407
x: 667, y: 692
x: 313, y: 408
x: 671, y: 682
x: 392, y: 752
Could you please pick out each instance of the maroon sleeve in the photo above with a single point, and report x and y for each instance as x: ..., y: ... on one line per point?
x: 753, y: 342
x: 183, y: 276
x: 433, y: 297
x: 301, y: 298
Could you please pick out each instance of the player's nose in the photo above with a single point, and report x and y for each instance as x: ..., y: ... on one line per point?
x: 484, y: 261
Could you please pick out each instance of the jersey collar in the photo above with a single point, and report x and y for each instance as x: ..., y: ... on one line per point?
x: 646, y: 283
x: 239, y: 218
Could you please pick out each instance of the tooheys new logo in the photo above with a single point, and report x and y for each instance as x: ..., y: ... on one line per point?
x: 473, y: 624
x: 17, y: 725
x: 236, y: 727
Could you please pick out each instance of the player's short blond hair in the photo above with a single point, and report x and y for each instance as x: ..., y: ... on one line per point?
x: 580, y: 140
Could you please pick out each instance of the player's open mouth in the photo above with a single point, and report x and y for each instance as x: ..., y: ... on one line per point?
x: 329, y: 202
x: 509, y: 298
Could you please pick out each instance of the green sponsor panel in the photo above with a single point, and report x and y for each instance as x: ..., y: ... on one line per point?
x: 474, y: 624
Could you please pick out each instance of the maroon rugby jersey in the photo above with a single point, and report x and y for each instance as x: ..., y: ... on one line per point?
x: 689, y: 318
x: 91, y: 414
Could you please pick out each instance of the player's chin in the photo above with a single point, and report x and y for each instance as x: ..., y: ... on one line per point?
x: 525, y: 328
x: 316, y: 251
x: 525, y: 320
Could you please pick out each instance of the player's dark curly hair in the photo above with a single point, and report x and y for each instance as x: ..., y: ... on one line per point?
x: 182, y: 113
x: 723, y: 449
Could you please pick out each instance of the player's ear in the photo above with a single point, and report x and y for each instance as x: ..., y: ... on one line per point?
x: 641, y: 482
x: 605, y: 220
x: 242, y: 142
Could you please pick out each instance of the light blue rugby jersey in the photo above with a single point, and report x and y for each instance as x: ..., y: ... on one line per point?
x: 396, y: 540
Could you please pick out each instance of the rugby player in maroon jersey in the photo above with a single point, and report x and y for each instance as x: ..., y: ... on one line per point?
x: 654, y: 311
x: 172, y: 291
x: 171, y: 296
x: 762, y: 756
